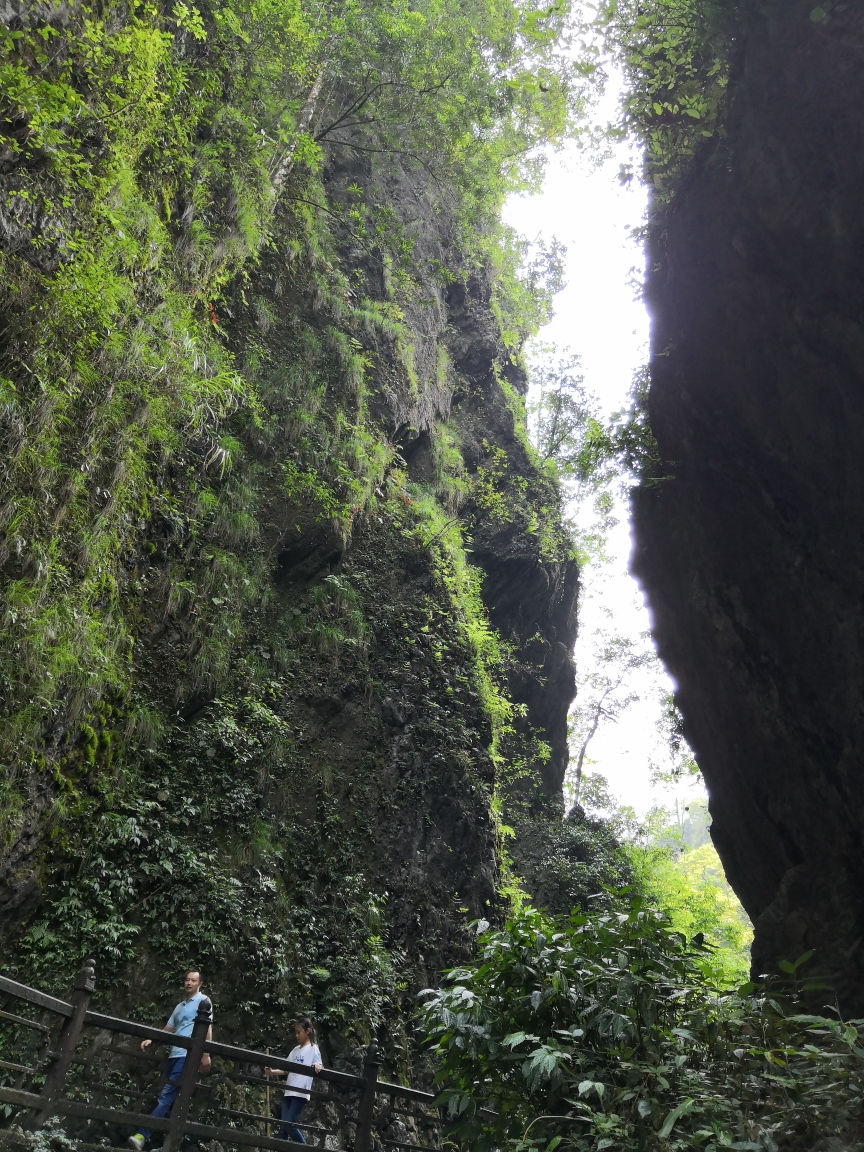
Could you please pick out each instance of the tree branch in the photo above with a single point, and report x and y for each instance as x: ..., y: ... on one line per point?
x: 364, y: 99
x: 355, y: 106
x: 303, y: 121
x: 393, y: 152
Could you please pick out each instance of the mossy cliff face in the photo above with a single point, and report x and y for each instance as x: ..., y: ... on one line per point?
x: 289, y: 605
x: 750, y: 548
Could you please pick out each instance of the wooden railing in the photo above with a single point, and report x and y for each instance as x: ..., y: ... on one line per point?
x: 359, y: 1097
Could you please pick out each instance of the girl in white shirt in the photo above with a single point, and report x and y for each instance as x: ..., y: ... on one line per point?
x: 298, y: 1087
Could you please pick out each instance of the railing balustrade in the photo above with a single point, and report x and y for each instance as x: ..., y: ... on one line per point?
x: 55, y: 1058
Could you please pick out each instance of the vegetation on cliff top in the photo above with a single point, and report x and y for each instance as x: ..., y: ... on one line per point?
x: 676, y: 56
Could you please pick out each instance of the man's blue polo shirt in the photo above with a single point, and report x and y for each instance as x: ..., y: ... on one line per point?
x: 182, y: 1019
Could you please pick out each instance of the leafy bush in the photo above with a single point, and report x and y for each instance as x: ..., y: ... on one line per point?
x: 599, y: 1031
x: 689, y: 886
x: 675, y: 867
x: 676, y: 57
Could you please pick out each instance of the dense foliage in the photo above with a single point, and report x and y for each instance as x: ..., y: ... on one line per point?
x: 152, y: 160
x: 689, y: 886
x: 675, y: 868
x: 599, y: 1031
x: 676, y: 56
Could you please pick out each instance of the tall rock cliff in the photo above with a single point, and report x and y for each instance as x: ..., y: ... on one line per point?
x: 749, y: 546
x: 289, y: 603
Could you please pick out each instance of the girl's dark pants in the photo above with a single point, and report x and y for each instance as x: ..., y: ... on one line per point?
x: 292, y: 1107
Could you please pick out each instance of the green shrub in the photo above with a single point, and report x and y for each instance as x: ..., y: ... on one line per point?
x: 600, y: 1031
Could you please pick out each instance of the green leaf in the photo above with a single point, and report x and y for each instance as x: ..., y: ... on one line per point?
x: 818, y: 15
x: 513, y: 1039
x: 683, y: 1109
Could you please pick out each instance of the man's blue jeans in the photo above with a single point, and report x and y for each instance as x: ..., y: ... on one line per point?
x: 292, y: 1107
x: 169, y: 1091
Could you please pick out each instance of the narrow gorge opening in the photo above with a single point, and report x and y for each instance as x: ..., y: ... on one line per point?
x: 629, y: 761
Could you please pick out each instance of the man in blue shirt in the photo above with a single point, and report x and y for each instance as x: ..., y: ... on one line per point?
x: 180, y: 1022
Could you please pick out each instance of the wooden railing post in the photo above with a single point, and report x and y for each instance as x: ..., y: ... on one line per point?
x: 366, y: 1110
x: 188, y: 1076
x: 67, y: 1041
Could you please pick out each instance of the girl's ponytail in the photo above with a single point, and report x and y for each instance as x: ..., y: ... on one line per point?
x: 307, y: 1026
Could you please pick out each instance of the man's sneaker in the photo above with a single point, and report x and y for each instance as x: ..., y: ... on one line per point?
x: 136, y: 1143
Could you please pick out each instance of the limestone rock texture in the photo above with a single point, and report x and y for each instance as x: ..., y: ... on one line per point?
x: 750, y: 547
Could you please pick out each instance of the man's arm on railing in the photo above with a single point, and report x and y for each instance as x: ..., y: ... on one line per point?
x: 145, y: 1044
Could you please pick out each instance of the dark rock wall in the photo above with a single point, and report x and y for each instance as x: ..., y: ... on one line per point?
x: 531, y: 596
x: 751, y: 550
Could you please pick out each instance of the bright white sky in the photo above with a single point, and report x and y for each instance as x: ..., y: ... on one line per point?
x: 599, y: 316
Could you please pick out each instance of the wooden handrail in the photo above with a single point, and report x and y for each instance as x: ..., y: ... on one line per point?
x: 247, y: 1056
x: 273, y: 1120
x: 385, y: 1089
x: 23, y: 1020
x: 33, y: 996
x: 85, y: 982
x: 77, y: 1015
x: 141, y: 1119
x: 133, y: 1028
x: 366, y: 1110
x: 214, y: 1047
x: 16, y: 1067
x: 228, y: 1051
